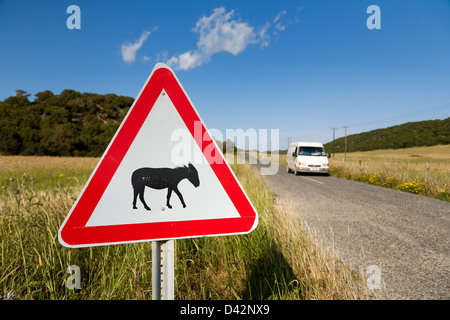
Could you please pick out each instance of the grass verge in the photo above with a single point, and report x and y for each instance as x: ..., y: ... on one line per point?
x: 419, y: 170
x: 279, y: 260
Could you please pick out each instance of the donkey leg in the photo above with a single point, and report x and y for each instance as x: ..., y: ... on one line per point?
x: 135, y: 197
x: 180, y: 196
x: 169, y: 193
x: 141, y: 197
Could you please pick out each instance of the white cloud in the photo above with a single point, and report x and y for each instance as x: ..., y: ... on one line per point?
x: 279, y: 15
x: 220, y: 33
x: 278, y: 21
x: 224, y: 32
x: 187, y: 60
x: 264, y: 35
x: 129, y: 50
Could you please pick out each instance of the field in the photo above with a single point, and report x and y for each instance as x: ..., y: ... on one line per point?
x: 402, y: 169
x: 281, y: 259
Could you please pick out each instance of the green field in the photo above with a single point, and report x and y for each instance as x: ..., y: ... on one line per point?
x: 279, y: 260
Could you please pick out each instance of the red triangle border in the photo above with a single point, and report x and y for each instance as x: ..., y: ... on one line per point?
x: 75, y: 233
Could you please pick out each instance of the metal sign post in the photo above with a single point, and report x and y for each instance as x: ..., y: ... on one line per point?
x: 163, y: 270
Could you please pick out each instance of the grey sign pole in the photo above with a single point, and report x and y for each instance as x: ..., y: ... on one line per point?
x: 163, y: 270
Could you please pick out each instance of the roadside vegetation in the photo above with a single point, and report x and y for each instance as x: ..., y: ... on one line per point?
x: 419, y: 170
x: 67, y: 124
x: 281, y: 259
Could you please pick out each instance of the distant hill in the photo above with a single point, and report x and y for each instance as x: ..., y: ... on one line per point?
x: 82, y: 124
x: 68, y: 124
x: 411, y: 134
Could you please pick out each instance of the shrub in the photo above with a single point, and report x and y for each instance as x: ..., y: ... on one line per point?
x: 412, y: 187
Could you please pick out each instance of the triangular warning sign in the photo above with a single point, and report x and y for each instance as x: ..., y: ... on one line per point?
x: 161, y: 177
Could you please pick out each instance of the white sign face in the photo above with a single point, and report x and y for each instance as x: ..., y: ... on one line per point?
x: 161, y: 177
x: 155, y: 147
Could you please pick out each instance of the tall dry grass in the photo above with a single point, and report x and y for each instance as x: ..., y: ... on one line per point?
x: 281, y: 259
x: 278, y: 260
x: 421, y: 170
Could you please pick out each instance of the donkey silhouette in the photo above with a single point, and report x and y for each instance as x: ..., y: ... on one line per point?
x: 161, y: 178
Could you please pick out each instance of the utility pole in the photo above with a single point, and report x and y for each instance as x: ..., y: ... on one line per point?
x: 345, y: 156
x: 332, y: 144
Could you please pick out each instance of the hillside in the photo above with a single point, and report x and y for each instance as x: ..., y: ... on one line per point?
x: 68, y: 124
x: 82, y: 124
x: 411, y: 134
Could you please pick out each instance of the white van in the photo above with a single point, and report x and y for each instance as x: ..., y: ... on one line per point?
x: 307, y: 157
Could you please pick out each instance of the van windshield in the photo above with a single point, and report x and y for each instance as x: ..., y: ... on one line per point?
x: 311, y: 151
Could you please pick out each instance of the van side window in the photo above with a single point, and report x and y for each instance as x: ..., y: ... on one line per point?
x: 295, y: 152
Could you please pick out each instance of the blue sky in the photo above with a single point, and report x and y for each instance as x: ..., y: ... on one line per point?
x: 302, y: 67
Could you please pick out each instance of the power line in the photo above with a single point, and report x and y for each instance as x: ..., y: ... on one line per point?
x: 435, y: 109
x: 432, y: 110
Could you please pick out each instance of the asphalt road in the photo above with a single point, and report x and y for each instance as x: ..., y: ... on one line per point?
x: 406, y: 237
